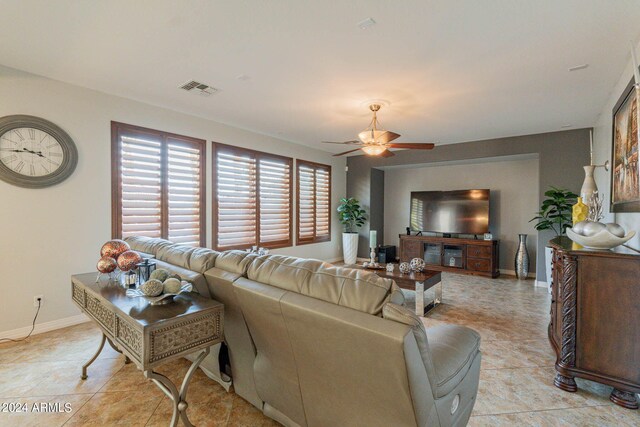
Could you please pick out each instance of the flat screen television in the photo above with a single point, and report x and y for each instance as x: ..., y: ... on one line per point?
x: 459, y: 212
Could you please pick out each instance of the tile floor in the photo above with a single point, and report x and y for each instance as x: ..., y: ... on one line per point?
x: 515, y: 382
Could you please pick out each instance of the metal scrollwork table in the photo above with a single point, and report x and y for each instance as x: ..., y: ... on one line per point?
x: 148, y: 335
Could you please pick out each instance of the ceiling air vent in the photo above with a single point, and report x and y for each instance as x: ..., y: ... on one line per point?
x: 198, y: 88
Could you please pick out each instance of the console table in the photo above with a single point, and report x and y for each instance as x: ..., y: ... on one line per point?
x: 595, y: 318
x: 151, y: 335
x: 466, y: 256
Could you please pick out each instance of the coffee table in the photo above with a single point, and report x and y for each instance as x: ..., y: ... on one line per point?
x: 148, y: 335
x: 418, y: 282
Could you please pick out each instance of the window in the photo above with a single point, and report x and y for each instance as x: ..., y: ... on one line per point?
x: 314, y: 202
x: 252, y: 199
x: 158, y: 186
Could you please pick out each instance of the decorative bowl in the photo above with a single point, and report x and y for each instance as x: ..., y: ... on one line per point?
x: 601, y: 240
x: 162, y: 298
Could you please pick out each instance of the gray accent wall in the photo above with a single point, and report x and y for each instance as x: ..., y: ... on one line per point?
x: 561, y: 157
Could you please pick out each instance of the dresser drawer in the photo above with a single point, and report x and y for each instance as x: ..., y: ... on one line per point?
x: 479, y: 264
x: 474, y: 251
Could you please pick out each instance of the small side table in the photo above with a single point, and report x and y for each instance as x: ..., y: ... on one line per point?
x: 148, y: 335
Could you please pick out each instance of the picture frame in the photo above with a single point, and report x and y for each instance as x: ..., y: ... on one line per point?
x: 625, y: 168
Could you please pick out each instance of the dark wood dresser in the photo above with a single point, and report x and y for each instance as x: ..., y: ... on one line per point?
x: 595, y: 318
x: 466, y: 256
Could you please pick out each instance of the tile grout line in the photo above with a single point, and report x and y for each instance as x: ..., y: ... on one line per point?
x: 154, y: 410
x: 540, y: 410
x: 78, y: 410
x: 92, y: 396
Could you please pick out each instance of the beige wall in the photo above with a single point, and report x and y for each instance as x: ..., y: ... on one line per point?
x: 47, y: 235
x: 602, y: 152
x: 514, y: 199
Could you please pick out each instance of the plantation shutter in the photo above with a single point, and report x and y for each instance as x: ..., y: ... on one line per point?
x: 236, y: 199
x: 323, y: 203
x: 184, y: 192
x: 158, y: 185
x: 252, y: 199
x: 141, y: 183
x: 314, y: 202
x: 306, y: 203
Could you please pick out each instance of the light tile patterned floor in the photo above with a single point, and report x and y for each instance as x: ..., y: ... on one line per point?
x: 515, y: 383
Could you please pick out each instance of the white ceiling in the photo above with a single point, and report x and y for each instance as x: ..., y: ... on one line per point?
x: 451, y: 71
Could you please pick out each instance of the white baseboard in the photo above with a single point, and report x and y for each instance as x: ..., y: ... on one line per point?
x: 45, y: 327
x: 542, y: 284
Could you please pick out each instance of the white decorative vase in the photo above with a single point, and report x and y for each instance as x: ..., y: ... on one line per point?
x: 350, y: 248
x: 589, y: 185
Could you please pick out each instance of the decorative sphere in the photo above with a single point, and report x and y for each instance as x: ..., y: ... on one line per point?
x: 417, y: 264
x: 106, y: 264
x: 615, y: 229
x: 151, y: 288
x: 114, y: 248
x: 404, y: 267
x: 172, y: 286
x: 593, y: 228
x: 128, y: 260
x: 175, y: 276
x: 160, y: 274
x: 578, y: 228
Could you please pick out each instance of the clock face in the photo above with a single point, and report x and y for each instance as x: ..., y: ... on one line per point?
x: 30, y: 152
x: 35, y: 153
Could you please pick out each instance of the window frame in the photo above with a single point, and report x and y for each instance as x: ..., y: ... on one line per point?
x: 257, y: 155
x: 315, y: 239
x: 119, y: 129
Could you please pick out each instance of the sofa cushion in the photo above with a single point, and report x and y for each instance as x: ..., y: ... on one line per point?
x: 202, y: 259
x: 189, y: 257
x: 234, y: 261
x: 148, y: 245
x: 401, y: 314
x: 357, y: 289
x: 197, y: 279
x: 453, y: 350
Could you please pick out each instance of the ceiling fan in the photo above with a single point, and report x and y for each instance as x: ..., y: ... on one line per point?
x: 376, y: 141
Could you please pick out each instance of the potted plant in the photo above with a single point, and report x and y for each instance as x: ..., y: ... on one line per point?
x: 352, y: 217
x: 555, y: 215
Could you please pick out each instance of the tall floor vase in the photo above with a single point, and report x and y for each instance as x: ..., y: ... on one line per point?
x: 522, y: 258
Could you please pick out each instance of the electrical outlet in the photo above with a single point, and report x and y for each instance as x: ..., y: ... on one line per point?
x: 36, y: 298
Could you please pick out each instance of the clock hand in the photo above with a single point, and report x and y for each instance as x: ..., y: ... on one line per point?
x: 32, y: 152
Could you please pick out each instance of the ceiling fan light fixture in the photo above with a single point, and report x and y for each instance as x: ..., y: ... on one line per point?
x: 374, y: 149
x: 371, y: 136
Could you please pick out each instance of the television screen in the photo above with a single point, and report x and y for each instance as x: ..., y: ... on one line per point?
x: 460, y: 211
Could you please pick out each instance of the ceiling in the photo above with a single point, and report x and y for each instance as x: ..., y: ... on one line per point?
x: 451, y: 71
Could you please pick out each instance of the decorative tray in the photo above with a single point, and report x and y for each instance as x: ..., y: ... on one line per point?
x: 162, y: 298
x: 374, y: 267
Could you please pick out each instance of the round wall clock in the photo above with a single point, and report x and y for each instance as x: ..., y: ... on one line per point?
x: 35, y: 153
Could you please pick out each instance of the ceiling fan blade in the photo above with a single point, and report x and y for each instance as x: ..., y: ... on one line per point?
x: 386, y: 153
x: 387, y: 137
x: 412, y: 146
x: 346, y: 152
x: 354, y: 141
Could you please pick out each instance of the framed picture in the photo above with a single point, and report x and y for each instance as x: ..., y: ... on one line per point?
x: 625, y: 170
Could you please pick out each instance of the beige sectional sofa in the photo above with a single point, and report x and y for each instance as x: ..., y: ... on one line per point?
x: 311, y: 344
